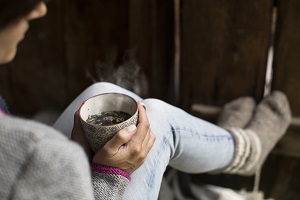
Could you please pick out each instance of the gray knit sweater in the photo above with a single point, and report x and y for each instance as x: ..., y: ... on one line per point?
x: 37, y: 162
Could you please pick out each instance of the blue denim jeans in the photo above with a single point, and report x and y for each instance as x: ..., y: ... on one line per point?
x: 183, y: 141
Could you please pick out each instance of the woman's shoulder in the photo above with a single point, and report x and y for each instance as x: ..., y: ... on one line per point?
x: 20, y: 137
x: 24, y: 128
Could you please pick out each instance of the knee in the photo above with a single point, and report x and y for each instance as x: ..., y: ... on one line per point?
x: 105, y: 86
x: 99, y: 88
x: 153, y: 103
x: 155, y: 106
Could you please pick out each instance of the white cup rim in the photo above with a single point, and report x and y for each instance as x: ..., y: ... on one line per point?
x: 111, y: 93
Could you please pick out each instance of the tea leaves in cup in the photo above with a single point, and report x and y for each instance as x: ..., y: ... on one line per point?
x: 108, y: 118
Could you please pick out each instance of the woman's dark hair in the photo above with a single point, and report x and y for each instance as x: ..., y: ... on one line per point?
x: 12, y: 10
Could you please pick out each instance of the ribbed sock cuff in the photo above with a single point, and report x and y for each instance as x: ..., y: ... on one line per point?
x: 247, y: 152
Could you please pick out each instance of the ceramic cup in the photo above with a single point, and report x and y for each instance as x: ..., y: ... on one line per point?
x: 98, y: 135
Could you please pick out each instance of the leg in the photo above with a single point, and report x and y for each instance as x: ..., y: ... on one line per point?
x: 193, y: 145
x: 65, y: 122
x: 186, y: 142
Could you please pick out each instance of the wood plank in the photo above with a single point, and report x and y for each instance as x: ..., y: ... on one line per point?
x: 287, y: 52
x: 94, y: 31
x: 75, y: 37
x: 285, y: 170
x: 151, y: 35
x: 224, y: 50
x: 289, y: 144
x: 280, y: 177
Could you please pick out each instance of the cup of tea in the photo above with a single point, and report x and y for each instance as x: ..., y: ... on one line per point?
x: 103, y: 115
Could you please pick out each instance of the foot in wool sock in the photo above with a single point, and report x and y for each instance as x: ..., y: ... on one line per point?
x: 237, y: 113
x: 253, y: 144
x: 270, y: 122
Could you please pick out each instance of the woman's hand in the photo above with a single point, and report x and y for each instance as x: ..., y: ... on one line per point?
x: 78, y: 135
x: 127, y: 150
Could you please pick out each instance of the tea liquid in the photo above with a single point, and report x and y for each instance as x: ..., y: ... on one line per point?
x: 108, y: 118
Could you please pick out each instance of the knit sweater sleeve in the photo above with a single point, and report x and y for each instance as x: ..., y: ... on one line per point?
x: 37, y: 162
x: 109, y: 182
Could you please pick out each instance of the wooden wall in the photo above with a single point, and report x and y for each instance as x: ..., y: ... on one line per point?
x: 224, y: 55
x: 224, y: 50
x: 60, y: 49
x: 287, y: 54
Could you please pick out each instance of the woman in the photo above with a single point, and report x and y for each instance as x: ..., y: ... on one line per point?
x: 38, y: 162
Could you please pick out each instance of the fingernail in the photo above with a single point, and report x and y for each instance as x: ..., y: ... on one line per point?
x: 131, y: 128
x: 144, y: 105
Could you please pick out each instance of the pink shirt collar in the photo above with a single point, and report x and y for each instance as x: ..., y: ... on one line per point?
x: 3, y: 113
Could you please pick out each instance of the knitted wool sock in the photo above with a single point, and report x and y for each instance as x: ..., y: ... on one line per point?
x: 253, y: 144
x: 236, y: 113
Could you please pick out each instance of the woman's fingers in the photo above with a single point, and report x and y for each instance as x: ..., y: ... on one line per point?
x: 79, y: 136
x: 150, y: 137
x: 122, y: 137
x: 142, y: 112
x: 77, y: 131
x: 142, y: 128
x: 149, y: 143
x: 137, y: 159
